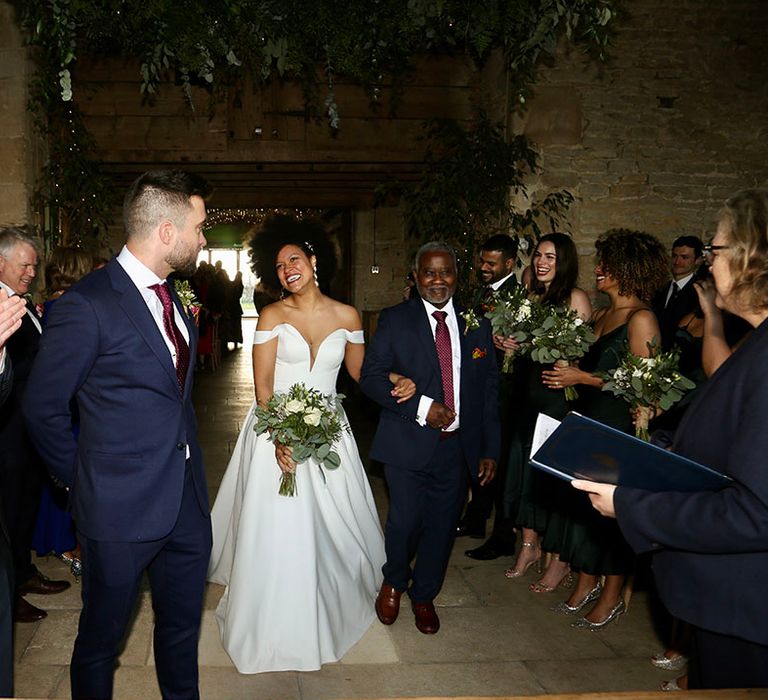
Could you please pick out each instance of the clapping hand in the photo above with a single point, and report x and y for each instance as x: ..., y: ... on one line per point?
x: 12, y: 310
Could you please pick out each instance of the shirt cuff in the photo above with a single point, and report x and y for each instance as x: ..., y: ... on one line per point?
x: 2, y: 359
x: 425, y: 404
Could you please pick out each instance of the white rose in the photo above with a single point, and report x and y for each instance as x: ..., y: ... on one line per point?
x: 313, y: 417
x: 294, y: 406
x: 637, y: 373
x: 578, y: 321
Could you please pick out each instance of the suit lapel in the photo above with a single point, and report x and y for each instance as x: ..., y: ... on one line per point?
x: 132, y: 302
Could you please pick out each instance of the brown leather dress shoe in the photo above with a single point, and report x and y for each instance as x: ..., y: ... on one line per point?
x: 388, y: 604
x: 24, y: 611
x: 42, y: 585
x: 427, y: 621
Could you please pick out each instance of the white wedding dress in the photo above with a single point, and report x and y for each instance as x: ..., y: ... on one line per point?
x: 301, y: 572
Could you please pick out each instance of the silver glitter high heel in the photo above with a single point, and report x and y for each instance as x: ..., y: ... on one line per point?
x: 566, y: 609
x: 583, y: 623
x: 661, y: 660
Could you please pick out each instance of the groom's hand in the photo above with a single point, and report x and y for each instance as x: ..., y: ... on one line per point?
x: 486, y: 471
x: 439, y: 416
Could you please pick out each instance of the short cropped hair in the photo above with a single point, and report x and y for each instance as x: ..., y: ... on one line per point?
x: 11, y: 236
x: 505, y: 244
x: 158, y: 195
x: 434, y: 247
x: 690, y: 242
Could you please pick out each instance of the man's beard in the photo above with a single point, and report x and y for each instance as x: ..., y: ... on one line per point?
x: 182, y: 260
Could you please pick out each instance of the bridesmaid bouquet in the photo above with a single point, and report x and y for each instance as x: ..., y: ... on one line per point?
x: 648, y: 383
x: 512, y: 314
x: 306, y: 421
x: 561, y: 338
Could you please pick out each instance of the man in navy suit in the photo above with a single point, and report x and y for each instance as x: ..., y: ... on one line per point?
x: 120, y: 343
x: 12, y: 309
x: 431, y: 443
x: 677, y: 299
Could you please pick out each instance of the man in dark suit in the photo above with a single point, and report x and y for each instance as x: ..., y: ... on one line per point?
x: 431, y: 442
x: 21, y: 469
x: 496, y: 273
x: 678, y: 298
x: 12, y: 309
x: 120, y: 342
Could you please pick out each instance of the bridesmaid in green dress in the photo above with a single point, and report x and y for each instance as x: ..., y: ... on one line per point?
x: 554, y: 272
x: 630, y: 267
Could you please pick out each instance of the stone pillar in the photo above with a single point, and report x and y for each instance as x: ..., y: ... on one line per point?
x: 19, y: 154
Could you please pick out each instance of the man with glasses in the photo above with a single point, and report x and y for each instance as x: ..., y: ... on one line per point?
x: 677, y: 299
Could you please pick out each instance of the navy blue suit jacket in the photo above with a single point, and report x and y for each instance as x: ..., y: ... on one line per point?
x: 126, y: 469
x: 404, y: 343
x: 711, y: 560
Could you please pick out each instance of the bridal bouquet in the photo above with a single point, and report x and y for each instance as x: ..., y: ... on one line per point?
x: 512, y: 314
x: 306, y: 421
x: 561, y: 338
x: 648, y: 383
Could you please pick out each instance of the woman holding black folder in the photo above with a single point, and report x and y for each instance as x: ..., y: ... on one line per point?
x: 630, y: 266
x: 711, y: 548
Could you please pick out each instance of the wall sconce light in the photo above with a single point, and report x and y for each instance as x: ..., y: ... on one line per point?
x: 375, y: 269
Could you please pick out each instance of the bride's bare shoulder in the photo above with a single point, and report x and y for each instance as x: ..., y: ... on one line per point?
x: 270, y: 316
x: 347, y: 316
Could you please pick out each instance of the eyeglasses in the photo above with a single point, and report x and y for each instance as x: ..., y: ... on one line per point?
x: 709, y: 251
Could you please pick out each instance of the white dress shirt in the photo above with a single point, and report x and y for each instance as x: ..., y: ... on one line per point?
x: 35, y: 318
x: 453, y: 330
x: 143, y: 278
x: 495, y: 286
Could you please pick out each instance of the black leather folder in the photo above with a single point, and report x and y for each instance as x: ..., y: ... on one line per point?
x: 582, y: 448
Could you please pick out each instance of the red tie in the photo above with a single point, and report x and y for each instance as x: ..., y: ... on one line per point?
x: 173, y: 332
x: 444, y: 354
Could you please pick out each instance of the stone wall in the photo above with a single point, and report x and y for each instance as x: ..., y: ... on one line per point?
x: 19, y: 157
x: 658, y: 137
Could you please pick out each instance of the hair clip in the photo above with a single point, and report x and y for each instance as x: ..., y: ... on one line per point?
x: 309, y: 247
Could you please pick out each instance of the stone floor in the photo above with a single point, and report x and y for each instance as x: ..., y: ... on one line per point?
x: 496, y: 639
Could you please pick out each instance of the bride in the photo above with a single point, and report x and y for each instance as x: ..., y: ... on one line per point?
x: 301, y: 573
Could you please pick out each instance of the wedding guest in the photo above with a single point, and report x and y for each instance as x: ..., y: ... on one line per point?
x: 630, y: 266
x: 555, y: 271
x: 677, y: 298
x: 121, y: 344
x: 496, y: 273
x: 708, y: 548
x: 12, y: 309
x: 54, y: 527
x: 21, y: 469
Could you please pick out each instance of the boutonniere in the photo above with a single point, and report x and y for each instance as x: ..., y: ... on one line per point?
x: 478, y: 354
x: 187, y: 298
x: 472, y: 321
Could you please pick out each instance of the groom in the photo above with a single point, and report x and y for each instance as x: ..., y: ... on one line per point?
x: 431, y: 443
x: 121, y: 345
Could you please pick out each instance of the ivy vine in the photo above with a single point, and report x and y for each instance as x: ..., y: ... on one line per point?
x: 217, y: 43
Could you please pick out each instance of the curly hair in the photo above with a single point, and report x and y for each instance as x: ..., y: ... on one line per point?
x: 636, y: 260
x: 745, y: 215
x: 279, y: 231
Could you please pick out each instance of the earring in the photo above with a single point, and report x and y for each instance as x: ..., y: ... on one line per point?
x: 314, y: 272
x: 282, y: 293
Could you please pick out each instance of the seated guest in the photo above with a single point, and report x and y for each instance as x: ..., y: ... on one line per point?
x: 709, y: 548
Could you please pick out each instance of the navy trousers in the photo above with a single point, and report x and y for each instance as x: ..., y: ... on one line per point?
x: 112, y: 574
x: 424, y: 507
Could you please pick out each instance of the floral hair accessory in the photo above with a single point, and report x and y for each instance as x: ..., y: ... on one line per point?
x: 478, y: 353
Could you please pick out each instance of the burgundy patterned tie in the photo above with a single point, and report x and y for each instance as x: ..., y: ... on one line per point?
x: 444, y: 354
x: 173, y: 332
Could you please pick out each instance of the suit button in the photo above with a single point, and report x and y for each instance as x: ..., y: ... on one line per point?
x: 180, y: 446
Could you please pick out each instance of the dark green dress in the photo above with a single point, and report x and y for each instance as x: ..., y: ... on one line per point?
x: 540, y: 493
x: 590, y: 542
